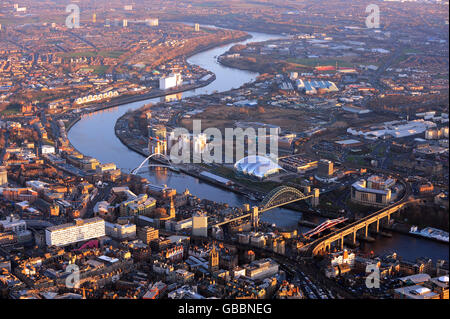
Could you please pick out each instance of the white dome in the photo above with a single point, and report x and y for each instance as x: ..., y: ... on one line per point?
x: 257, y: 166
x: 443, y: 279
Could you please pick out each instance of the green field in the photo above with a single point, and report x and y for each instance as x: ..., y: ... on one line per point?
x: 321, y: 62
x: 11, y: 109
x: 106, y: 54
x: 100, y: 69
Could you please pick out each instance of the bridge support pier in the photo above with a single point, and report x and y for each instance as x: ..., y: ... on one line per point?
x: 378, y: 225
x: 315, y: 198
x: 367, y: 231
x: 354, y: 237
x: 255, y: 217
x: 342, y: 243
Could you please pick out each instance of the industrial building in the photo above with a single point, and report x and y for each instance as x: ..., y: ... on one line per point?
x: 170, y: 81
x: 298, y: 163
x: 316, y: 86
x: 393, y: 129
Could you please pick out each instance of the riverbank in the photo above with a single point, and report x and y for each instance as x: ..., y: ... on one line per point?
x: 141, y: 97
x: 242, y: 66
x: 212, y: 45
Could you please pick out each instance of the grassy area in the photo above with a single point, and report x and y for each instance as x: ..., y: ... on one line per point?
x: 11, y: 109
x: 106, y: 54
x: 100, y: 69
x: 210, y: 4
x: 18, y: 20
x: 381, y: 150
x: 321, y: 62
x: 111, y: 54
x: 226, y: 117
x: 356, y: 159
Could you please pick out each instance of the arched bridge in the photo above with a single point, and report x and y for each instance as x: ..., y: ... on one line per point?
x: 169, y: 162
x: 281, y: 196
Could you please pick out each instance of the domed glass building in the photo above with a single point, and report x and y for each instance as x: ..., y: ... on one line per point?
x: 257, y: 166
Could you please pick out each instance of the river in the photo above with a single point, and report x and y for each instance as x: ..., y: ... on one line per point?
x: 94, y: 135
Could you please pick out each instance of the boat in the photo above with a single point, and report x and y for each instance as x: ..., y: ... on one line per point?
x: 430, y: 232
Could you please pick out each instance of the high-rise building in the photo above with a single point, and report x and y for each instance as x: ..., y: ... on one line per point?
x: 200, y: 224
x: 157, y: 143
x: 200, y: 142
x: 325, y: 168
x: 125, y: 23
x: 157, y: 132
x: 94, y: 18
x: 148, y: 234
x: 197, y: 27
x: 79, y: 230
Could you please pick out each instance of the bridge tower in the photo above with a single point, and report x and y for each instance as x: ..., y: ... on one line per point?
x: 315, y: 199
x: 255, y: 217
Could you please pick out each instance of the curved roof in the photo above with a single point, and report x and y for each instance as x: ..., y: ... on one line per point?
x: 258, y: 166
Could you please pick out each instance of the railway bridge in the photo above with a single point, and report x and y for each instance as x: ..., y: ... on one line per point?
x: 323, y: 244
